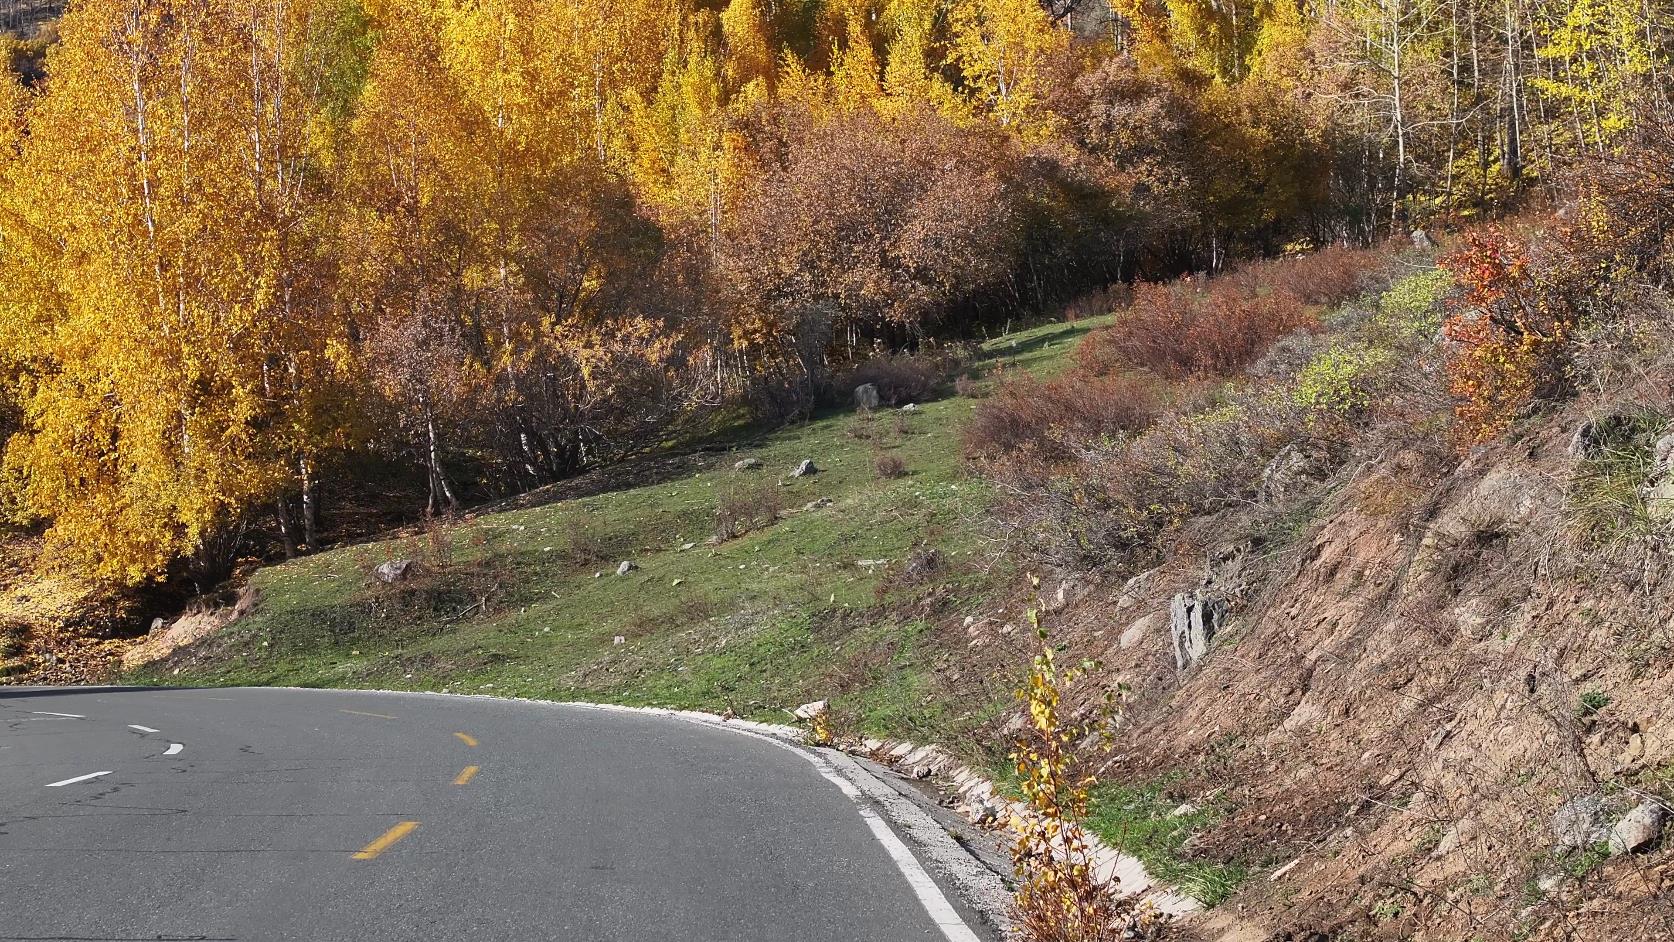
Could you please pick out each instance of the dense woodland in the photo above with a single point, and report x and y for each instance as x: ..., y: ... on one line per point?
x: 261, y: 258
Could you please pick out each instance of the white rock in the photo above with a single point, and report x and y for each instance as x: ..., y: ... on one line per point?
x: 1638, y: 829
x: 396, y: 570
x: 809, y: 711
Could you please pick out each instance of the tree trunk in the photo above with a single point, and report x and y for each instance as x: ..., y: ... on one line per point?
x: 310, y: 508
x: 287, y: 532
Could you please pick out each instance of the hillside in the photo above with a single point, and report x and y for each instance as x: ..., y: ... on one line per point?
x: 845, y: 583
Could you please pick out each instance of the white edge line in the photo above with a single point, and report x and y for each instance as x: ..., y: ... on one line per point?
x: 929, y: 895
x: 68, y: 716
x: 173, y: 749
x: 143, y: 729
x: 79, y: 778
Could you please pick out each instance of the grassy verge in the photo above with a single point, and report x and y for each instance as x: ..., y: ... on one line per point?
x: 842, y: 584
x: 1142, y: 821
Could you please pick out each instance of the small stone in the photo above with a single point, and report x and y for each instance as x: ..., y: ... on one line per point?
x: 910, y: 407
x: 677, y: 582
x: 1638, y: 829
x: 1421, y: 240
x: 805, y: 468
x: 626, y: 567
x: 747, y: 464
x: 686, y: 546
x: 619, y: 640
x: 396, y: 570
x: 809, y: 711
x: 866, y: 397
x: 1635, y: 751
x: 599, y: 574
x: 817, y: 503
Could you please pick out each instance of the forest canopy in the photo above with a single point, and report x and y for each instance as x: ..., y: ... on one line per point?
x: 252, y: 253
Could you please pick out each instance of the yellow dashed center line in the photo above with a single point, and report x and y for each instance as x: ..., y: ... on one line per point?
x: 381, y: 716
x: 466, y: 774
x: 386, y: 841
x: 466, y: 739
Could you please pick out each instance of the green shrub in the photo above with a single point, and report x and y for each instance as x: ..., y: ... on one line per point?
x: 1339, y: 382
x: 1412, y: 306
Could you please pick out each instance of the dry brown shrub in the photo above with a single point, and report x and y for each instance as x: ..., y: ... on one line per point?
x: 889, y: 467
x: 1181, y: 329
x: 746, y: 506
x: 900, y: 377
x: 1030, y: 420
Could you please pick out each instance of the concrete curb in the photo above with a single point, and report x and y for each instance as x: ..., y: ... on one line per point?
x: 977, y: 802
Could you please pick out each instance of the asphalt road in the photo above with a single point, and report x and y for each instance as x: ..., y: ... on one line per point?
x: 339, y: 815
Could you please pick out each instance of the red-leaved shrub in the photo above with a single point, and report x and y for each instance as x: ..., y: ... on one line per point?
x: 1217, y: 327
x: 1178, y: 330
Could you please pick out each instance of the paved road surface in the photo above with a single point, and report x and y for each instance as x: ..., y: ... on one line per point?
x: 259, y: 814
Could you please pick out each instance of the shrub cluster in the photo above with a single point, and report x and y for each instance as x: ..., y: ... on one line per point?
x: 1217, y: 327
x: 1028, y: 421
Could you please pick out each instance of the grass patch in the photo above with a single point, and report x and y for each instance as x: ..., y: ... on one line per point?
x: 1607, y: 489
x: 1144, y: 822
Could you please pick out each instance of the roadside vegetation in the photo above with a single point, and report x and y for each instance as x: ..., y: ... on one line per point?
x: 750, y: 591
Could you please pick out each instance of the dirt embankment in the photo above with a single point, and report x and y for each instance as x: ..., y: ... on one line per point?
x: 1432, y: 705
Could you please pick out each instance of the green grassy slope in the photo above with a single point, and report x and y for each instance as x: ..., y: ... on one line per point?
x: 514, y: 602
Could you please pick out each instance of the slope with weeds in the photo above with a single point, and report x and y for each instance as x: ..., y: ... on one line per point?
x: 750, y: 590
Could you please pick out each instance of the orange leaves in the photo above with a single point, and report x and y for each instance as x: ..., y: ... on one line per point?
x: 1509, y: 334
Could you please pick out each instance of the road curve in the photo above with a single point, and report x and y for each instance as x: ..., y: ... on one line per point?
x: 313, y: 815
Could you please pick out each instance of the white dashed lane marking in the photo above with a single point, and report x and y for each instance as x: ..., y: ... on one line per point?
x: 143, y: 729
x: 173, y: 749
x: 79, y: 778
x: 67, y: 716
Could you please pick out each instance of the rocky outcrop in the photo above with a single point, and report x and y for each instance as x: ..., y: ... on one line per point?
x: 1196, y: 616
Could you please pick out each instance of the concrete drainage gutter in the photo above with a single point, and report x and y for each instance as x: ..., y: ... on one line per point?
x: 975, y: 799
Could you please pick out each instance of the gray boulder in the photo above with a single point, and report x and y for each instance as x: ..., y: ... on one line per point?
x: 866, y: 397
x: 396, y: 570
x: 1580, y: 822
x: 1421, y: 240
x: 805, y: 468
x: 746, y: 464
x: 626, y: 567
